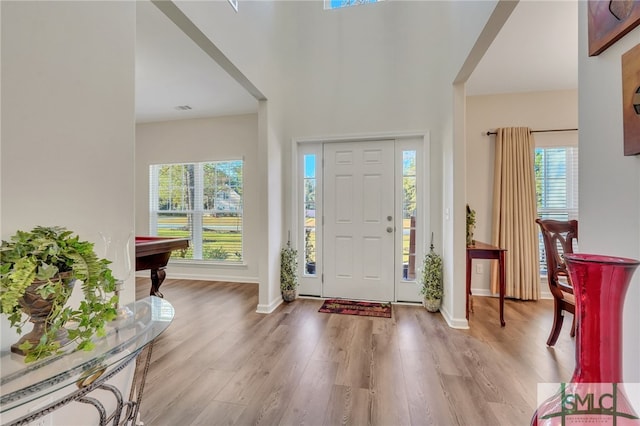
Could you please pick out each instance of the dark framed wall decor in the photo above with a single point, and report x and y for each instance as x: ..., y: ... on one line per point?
x: 610, y: 20
x: 631, y: 100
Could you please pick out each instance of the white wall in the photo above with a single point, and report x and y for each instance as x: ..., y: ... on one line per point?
x: 252, y: 40
x: 67, y: 115
x: 207, y: 139
x: 385, y: 67
x: 537, y: 110
x: 609, y: 181
x: 382, y: 68
x: 67, y: 120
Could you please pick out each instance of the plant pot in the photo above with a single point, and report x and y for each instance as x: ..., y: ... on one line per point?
x: 38, y: 310
x: 288, y: 295
x: 599, y: 284
x: 432, y: 305
x: 311, y: 268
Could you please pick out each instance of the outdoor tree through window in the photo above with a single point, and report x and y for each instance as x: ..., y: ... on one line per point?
x: 310, y: 214
x: 409, y: 203
x: 200, y: 201
x: 556, y: 171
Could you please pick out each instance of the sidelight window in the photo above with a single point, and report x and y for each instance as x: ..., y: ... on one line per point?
x: 310, y: 188
x: 409, y: 202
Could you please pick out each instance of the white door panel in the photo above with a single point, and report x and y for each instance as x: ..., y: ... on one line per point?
x: 359, y: 224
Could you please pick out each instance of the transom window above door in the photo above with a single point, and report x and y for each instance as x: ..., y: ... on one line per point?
x: 338, y: 4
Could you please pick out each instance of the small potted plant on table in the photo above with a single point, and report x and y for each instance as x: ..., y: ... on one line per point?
x: 38, y: 270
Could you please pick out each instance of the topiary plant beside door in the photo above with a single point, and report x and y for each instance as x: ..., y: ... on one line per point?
x: 431, y: 280
x: 288, y: 272
x: 38, y: 269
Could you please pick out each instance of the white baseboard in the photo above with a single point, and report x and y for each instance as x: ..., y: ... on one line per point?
x: 459, y: 323
x: 483, y: 292
x: 186, y: 276
x: 267, y: 309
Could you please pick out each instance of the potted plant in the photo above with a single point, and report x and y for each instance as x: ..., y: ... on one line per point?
x: 431, y: 282
x: 471, y: 225
x: 38, y: 271
x: 288, y: 272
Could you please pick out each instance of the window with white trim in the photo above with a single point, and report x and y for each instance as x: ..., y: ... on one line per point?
x: 409, y: 209
x: 556, y: 170
x: 338, y: 4
x: 200, y: 201
x: 310, y: 226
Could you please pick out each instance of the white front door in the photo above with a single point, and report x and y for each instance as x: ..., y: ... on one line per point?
x: 359, y: 220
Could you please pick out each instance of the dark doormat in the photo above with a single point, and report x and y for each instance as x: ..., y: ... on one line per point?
x: 354, y: 307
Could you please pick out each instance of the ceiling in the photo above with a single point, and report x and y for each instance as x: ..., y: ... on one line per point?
x: 535, y: 50
x: 172, y: 71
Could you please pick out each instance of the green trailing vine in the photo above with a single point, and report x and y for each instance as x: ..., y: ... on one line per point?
x: 56, y: 258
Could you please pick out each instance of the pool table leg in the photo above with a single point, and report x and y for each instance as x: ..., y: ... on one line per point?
x: 157, y: 277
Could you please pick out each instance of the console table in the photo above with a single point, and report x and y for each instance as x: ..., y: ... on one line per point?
x: 77, y: 373
x: 486, y: 251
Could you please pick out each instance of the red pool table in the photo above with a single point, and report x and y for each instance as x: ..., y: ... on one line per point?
x: 154, y: 253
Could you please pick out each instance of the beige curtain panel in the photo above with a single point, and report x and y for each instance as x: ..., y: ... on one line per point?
x: 514, y: 212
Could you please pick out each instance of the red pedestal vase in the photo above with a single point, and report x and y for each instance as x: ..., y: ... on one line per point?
x: 595, y: 394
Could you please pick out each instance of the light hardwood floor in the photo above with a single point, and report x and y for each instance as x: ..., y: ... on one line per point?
x: 221, y: 363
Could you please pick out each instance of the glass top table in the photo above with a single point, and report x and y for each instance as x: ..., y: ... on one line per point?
x: 22, y: 383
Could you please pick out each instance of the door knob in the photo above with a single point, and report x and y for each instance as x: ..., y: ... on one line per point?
x: 389, y: 229
x: 389, y: 218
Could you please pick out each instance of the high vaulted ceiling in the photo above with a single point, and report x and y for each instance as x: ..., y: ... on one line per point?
x: 172, y: 72
x: 536, y: 50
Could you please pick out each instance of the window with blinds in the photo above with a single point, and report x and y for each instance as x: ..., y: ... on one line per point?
x: 200, y: 201
x: 556, y: 170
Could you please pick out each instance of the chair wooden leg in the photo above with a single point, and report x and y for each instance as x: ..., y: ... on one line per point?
x: 558, y: 317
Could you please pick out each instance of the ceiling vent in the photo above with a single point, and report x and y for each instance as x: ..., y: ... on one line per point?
x: 183, y: 108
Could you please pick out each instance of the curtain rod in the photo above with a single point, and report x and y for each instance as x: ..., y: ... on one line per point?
x: 540, y: 131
